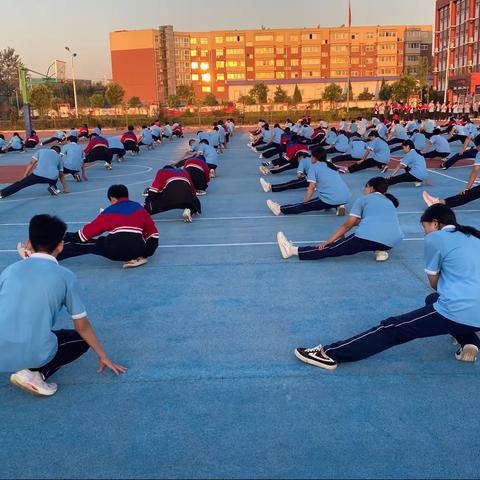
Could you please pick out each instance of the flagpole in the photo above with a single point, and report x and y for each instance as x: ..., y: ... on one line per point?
x: 349, y: 54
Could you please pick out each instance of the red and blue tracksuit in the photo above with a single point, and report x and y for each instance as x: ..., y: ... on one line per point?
x: 130, y: 142
x: 199, y: 172
x: 97, y: 149
x: 131, y: 234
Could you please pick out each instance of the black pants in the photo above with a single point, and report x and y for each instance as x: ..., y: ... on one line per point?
x: 52, y: 140
x: 404, y: 178
x: 368, y: 163
x: 350, y: 245
x: 99, y: 154
x: 459, y: 138
x: 467, y: 197
x: 131, y: 146
x: 271, y: 151
x: 11, y: 149
x: 258, y: 143
x: 120, y: 152
x: 284, y: 165
x: 28, y: 181
x: 292, y: 185
x: 311, y: 206
x: 395, y: 141
x: 422, y: 323
x: 345, y: 158
x: 30, y: 144
x: 67, y: 171
x: 435, y: 154
x: 267, y: 146
x: 70, y: 347
x: 470, y: 153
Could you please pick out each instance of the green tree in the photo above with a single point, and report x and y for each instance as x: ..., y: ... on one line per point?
x: 385, y: 92
x: 259, y: 92
x: 114, y: 94
x: 41, y: 98
x: 246, y: 100
x: 173, y: 101
x: 404, y: 88
x: 297, y: 96
x: 333, y: 93
x: 9, y: 63
x: 134, y: 102
x: 210, y: 100
x: 280, y: 95
x: 186, y: 94
x: 366, y: 95
x: 97, y: 100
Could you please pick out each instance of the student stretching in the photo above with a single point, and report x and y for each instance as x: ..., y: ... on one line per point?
x: 130, y: 140
x: 73, y: 160
x: 356, y: 151
x: 465, y: 153
x: 440, y: 148
x: 414, y: 165
x: 97, y: 150
x: 146, y: 138
x: 15, y: 144
x: 452, y: 266
x: 210, y: 155
x: 377, y: 155
x: 323, y: 178
x: 378, y: 229
x: 29, y: 340
x: 304, y: 165
x: 199, y: 172
x: 32, y: 141
x: 58, y: 137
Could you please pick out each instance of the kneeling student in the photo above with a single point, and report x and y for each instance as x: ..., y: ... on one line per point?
x: 378, y: 229
x: 29, y: 341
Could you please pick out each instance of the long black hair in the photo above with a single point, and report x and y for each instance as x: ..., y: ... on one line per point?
x: 321, y: 155
x: 445, y: 216
x: 380, y: 185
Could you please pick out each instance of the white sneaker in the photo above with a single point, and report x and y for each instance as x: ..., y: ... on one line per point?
x: 429, y: 200
x: 341, y: 211
x: 418, y: 184
x: 200, y: 193
x: 33, y: 382
x: 264, y: 170
x: 212, y: 173
x: 261, y: 156
x: 267, y: 187
x: 138, y: 262
x: 107, y: 166
x: 468, y: 353
x: 381, y: 256
x: 187, y: 216
x: 285, y: 246
x: 274, y: 207
x: 23, y: 251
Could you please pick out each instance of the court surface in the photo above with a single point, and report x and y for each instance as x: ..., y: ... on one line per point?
x: 207, y: 330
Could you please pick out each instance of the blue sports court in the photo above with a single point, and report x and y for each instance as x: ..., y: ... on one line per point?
x: 207, y: 330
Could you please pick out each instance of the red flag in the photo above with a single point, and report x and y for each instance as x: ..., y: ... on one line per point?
x: 349, y: 14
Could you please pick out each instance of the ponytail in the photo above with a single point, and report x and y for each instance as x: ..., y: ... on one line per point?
x: 321, y: 156
x: 469, y: 231
x: 380, y: 185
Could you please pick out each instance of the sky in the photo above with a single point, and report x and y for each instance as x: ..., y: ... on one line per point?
x: 47, y: 26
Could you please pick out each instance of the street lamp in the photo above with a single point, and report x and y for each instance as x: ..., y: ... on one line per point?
x: 72, y: 56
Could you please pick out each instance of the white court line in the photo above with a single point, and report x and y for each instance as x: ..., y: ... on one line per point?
x: 447, y: 176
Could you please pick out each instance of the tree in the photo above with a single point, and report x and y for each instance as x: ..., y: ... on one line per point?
x: 186, y: 94
x: 280, y: 95
x: 404, y: 88
x: 114, y: 94
x: 246, y: 100
x: 210, y: 100
x: 332, y: 93
x: 41, y: 98
x: 366, y: 95
x: 385, y: 93
x: 259, y: 92
x: 9, y: 64
x: 297, y: 96
x: 134, y: 102
x: 97, y: 100
x: 173, y: 101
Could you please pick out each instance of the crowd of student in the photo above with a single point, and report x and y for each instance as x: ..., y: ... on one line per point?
x: 124, y: 232
x: 313, y: 152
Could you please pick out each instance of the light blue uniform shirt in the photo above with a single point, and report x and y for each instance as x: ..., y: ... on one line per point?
x: 16, y: 143
x: 167, y: 131
x: 341, y: 143
x: 155, y: 129
x: 455, y: 257
x: 97, y: 130
x: 428, y: 126
x: 277, y: 135
x: 59, y: 134
x: 420, y: 141
x: 477, y: 159
x: 357, y: 149
x: 381, y: 151
x: 49, y: 163
x: 411, y: 126
x: 329, y: 185
x: 27, y: 320
x: 73, y: 133
x: 221, y: 133
x: 379, y: 220
x: 266, y: 135
x: 461, y: 130
x: 304, y: 165
x: 114, y: 142
x: 375, y: 122
x: 440, y: 144
x: 210, y: 154
x: 307, y: 131
x: 416, y: 162
x: 73, y: 156
x: 331, y: 138
x: 353, y: 128
x: 400, y: 132
x: 382, y: 130
x: 2, y: 143
x: 147, y: 138
x: 214, y: 138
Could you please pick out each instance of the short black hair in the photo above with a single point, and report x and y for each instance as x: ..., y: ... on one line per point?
x: 72, y: 139
x: 205, y: 141
x: 56, y: 148
x: 130, y: 128
x: 46, y: 232
x: 117, y: 191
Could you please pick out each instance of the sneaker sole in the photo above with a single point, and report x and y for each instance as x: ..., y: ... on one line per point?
x: 187, y: 218
x: 280, y: 239
x: 469, y: 354
x: 309, y: 361
x: 28, y: 387
x: 341, y: 212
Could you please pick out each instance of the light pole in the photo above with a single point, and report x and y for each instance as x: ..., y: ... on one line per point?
x: 72, y: 56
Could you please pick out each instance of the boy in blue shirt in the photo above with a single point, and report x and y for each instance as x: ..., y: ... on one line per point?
x: 73, y: 159
x: 29, y: 342
x: 414, y: 165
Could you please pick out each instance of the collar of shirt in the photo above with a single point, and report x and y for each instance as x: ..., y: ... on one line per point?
x: 449, y: 227
x: 45, y: 256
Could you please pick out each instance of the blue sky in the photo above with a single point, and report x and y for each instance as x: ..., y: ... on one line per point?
x: 44, y: 27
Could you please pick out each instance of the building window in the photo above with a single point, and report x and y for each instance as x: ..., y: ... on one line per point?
x: 370, y: 36
x: 294, y: 50
x: 194, y: 65
x: 280, y: 50
x: 264, y: 76
x: 204, y: 66
x: 294, y: 62
x: 264, y: 38
x: 264, y: 50
x: 309, y: 36
x: 369, y: 48
x: 235, y: 51
x: 204, y: 41
x: 206, y: 77
x: 310, y: 61
x: 294, y: 38
x: 236, y: 76
x: 193, y: 53
x: 235, y: 63
x: 385, y: 33
x: 206, y: 89
x: 219, y: 52
x: 204, y: 53
x: 218, y: 39
x: 193, y: 41
x: 339, y: 36
x: 220, y: 89
x: 220, y: 76
x: 280, y: 63
x: 220, y: 64
x: 311, y: 49
x: 195, y: 77
x: 280, y: 75
x: 279, y: 38
x: 265, y: 63
x: 234, y: 38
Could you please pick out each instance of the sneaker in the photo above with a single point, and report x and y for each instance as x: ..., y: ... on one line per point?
x: 267, y: 164
x: 341, y: 211
x: 261, y: 156
x: 285, y: 246
x: 264, y: 170
x: 23, y: 251
x: 381, y: 256
x: 53, y: 191
x: 107, y: 166
x: 429, y: 200
x: 343, y: 170
x: 212, y: 173
x: 384, y: 169
x: 418, y: 184
x: 267, y: 187
x: 200, y: 193
x: 138, y: 262
x: 33, y: 382
x: 274, y: 207
x: 316, y: 357
x: 187, y: 216
x: 468, y: 353
x: 77, y: 177
x: 119, y: 159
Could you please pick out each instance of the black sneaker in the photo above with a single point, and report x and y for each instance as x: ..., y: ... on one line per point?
x: 315, y: 356
x: 77, y: 177
x: 53, y: 191
x: 267, y: 164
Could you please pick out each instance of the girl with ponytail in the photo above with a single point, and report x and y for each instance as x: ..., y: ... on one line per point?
x: 453, y: 270
x: 378, y: 229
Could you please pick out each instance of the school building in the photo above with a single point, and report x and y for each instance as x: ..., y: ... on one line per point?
x: 457, y: 25
x: 152, y: 63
